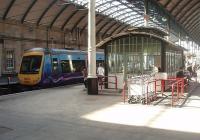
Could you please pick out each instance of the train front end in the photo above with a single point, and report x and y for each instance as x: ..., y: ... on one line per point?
x: 31, y: 68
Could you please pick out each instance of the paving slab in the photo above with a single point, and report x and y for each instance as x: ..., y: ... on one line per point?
x: 68, y: 113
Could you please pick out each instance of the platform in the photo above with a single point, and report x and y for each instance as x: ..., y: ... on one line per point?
x: 69, y: 113
x: 4, y: 81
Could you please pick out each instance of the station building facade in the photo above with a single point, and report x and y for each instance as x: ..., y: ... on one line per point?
x: 137, y: 51
x: 16, y: 38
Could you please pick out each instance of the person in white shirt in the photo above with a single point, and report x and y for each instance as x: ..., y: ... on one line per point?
x: 100, y: 70
x: 100, y: 73
x: 154, y: 71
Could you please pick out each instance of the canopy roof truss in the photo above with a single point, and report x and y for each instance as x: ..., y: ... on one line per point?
x: 112, y: 16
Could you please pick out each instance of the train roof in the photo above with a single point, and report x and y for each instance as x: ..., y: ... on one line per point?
x: 51, y: 50
x: 47, y: 50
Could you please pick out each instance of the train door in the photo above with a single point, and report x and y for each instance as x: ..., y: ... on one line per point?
x: 78, y: 62
x: 55, y: 68
x: 47, y: 69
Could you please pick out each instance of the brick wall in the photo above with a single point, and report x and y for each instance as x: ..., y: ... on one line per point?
x: 18, y: 37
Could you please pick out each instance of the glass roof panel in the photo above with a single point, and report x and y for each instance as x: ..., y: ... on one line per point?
x: 126, y: 12
x: 122, y: 10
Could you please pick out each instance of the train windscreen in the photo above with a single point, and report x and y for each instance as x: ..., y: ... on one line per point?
x: 31, y: 64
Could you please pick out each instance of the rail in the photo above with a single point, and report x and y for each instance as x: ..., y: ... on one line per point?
x: 135, y: 95
x: 124, y: 92
x: 6, y: 81
x: 177, y: 86
x: 102, y: 80
x: 154, y: 96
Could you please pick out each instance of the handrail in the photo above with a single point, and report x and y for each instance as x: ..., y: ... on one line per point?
x: 155, y: 89
x: 101, y: 81
x: 147, y: 81
x: 123, y: 91
x: 179, y: 83
x: 175, y: 84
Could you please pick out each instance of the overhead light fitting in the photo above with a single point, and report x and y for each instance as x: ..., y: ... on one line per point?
x: 164, y: 19
x: 67, y: 2
x: 63, y: 2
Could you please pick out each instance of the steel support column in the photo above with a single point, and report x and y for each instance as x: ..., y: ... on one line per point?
x: 92, y: 78
x: 146, y: 16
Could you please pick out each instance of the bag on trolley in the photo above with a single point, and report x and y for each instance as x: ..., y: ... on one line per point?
x: 137, y: 89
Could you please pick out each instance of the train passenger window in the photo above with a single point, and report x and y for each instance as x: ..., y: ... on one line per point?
x: 55, y: 65
x: 77, y: 65
x: 65, y: 66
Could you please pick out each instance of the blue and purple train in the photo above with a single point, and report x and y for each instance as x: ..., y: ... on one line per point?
x: 47, y: 67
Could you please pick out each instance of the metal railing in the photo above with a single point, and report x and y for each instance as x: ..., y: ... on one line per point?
x: 177, y: 86
x: 102, y: 80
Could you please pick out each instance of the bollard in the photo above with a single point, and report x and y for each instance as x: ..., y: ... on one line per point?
x: 8, y: 80
x: 116, y: 82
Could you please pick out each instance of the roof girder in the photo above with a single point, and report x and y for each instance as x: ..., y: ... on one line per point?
x: 123, y: 25
x: 109, y: 28
x: 190, y: 22
x: 194, y: 26
x: 174, y: 7
x: 116, y: 28
x: 68, y: 19
x: 98, y: 31
x: 58, y: 14
x: 80, y: 19
x: 8, y: 9
x: 111, y: 19
x: 167, y: 3
x: 27, y: 11
x: 186, y: 6
x: 86, y: 24
x: 78, y: 7
x: 45, y: 11
x: 123, y: 29
x: 189, y: 12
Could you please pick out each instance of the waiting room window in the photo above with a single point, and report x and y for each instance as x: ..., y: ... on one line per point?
x: 9, y: 59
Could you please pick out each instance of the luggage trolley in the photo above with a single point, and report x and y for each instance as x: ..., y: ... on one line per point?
x: 137, y: 89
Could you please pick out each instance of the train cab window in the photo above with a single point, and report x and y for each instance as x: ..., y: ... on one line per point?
x: 31, y: 64
x: 65, y: 66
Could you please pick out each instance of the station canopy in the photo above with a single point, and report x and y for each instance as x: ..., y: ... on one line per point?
x: 186, y: 13
x: 112, y: 16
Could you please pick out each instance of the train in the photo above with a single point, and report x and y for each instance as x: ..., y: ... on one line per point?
x: 48, y: 67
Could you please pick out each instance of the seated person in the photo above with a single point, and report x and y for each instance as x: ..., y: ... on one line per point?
x: 154, y: 70
x: 159, y: 69
x: 84, y: 73
x: 180, y: 73
x: 190, y: 69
